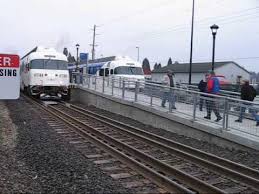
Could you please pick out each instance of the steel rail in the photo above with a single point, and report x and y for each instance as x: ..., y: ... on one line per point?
x: 157, y: 178
x: 149, y: 173
x: 191, y: 181
x: 228, y: 168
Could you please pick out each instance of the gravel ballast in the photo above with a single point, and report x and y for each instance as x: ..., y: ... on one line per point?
x: 46, y: 163
x: 35, y: 159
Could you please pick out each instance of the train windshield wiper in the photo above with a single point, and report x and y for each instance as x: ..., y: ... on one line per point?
x: 131, y: 69
x: 46, y: 62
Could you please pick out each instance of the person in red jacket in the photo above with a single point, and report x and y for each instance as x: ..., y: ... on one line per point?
x: 213, y: 87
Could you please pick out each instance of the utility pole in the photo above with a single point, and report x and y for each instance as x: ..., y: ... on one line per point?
x: 190, y: 70
x: 137, y: 47
x: 94, y: 45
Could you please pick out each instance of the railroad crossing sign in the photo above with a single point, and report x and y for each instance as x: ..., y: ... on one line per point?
x: 9, y: 76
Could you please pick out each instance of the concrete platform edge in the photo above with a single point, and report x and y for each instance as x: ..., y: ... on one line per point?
x: 163, y: 120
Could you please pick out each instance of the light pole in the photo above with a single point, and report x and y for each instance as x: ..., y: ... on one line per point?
x: 190, y: 69
x: 77, y: 58
x: 137, y: 47
x: 214, y: 29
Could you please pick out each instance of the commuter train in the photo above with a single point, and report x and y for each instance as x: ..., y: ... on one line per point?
x: 117, y: 67
x: 44, y: 74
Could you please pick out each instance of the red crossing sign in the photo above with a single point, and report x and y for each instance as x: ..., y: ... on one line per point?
x: 9, y: 76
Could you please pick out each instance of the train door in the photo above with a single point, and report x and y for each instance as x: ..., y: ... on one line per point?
x: 27, y: 74
x: 22, y: 75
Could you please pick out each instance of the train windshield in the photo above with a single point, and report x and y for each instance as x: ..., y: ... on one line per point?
x: 125, y: 70
x: 48, y: 64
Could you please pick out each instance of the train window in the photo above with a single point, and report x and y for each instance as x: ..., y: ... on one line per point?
x: 101, y: 72
x: 36, y: 64
x: 111, y: 72
x: 95, y: 70
x: 50, y: 64
x: 106, y: 72
x: 62, y: 65
x: 128, y: 70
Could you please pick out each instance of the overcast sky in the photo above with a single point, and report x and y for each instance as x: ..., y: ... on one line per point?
x: 161, y: 28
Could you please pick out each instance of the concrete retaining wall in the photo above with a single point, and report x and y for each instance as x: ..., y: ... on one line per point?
x: 158, y: 119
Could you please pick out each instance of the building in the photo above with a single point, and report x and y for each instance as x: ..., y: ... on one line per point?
x: 231, y: 70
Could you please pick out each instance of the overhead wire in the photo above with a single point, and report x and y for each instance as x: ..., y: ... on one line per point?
x: 212, y: 18
x: 236, y: 16
x: 185, y: 27
x: 137, y: 12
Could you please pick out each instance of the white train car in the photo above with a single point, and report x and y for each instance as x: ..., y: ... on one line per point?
x: 117, y: 67
x: 44, y: 73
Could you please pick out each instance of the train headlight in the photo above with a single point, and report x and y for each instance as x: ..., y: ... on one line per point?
x: 38, y: 75
x: 63, y: 75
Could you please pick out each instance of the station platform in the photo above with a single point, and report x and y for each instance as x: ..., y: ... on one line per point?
x: 178, y: 121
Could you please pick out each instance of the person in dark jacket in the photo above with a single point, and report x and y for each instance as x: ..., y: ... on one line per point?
x: 202, y: 88
x: 248, y: 93
x: 213, y: 87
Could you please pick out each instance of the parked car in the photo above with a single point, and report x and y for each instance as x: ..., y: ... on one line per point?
x: 224, y: 83
x: 223, y: 80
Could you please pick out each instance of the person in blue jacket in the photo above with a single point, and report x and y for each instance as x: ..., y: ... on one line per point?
x: 213, y: 87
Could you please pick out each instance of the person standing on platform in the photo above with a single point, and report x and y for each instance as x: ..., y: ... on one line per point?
x: 248, y: 93
x: 202, y: 88
x: 213, y: 87
x: 168, y: 93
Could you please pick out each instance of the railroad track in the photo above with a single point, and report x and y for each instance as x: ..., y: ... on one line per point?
x: 172, y: 166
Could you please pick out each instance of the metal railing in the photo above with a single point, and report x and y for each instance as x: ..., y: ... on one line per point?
x: 226, y: 113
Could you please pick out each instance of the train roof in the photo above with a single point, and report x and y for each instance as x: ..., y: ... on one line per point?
x: 122, y: 60
x: 108, y: 59
x: 44, y: 53
x: 104, y: 59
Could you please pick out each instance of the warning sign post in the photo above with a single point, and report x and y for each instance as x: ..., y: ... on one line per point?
x: 9, y: 76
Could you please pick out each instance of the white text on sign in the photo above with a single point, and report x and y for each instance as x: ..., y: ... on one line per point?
x: 5, y: 61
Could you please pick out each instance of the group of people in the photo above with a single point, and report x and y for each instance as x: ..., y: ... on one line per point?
x: 211, y: 85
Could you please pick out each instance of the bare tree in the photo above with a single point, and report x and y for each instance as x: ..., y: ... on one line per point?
x: 65, y: 52
x: 146, y: 67
x: 169, y: 62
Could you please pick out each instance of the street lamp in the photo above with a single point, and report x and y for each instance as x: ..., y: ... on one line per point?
x: 214, y: 29
x: 77, y: 58
x: 138, y: 52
